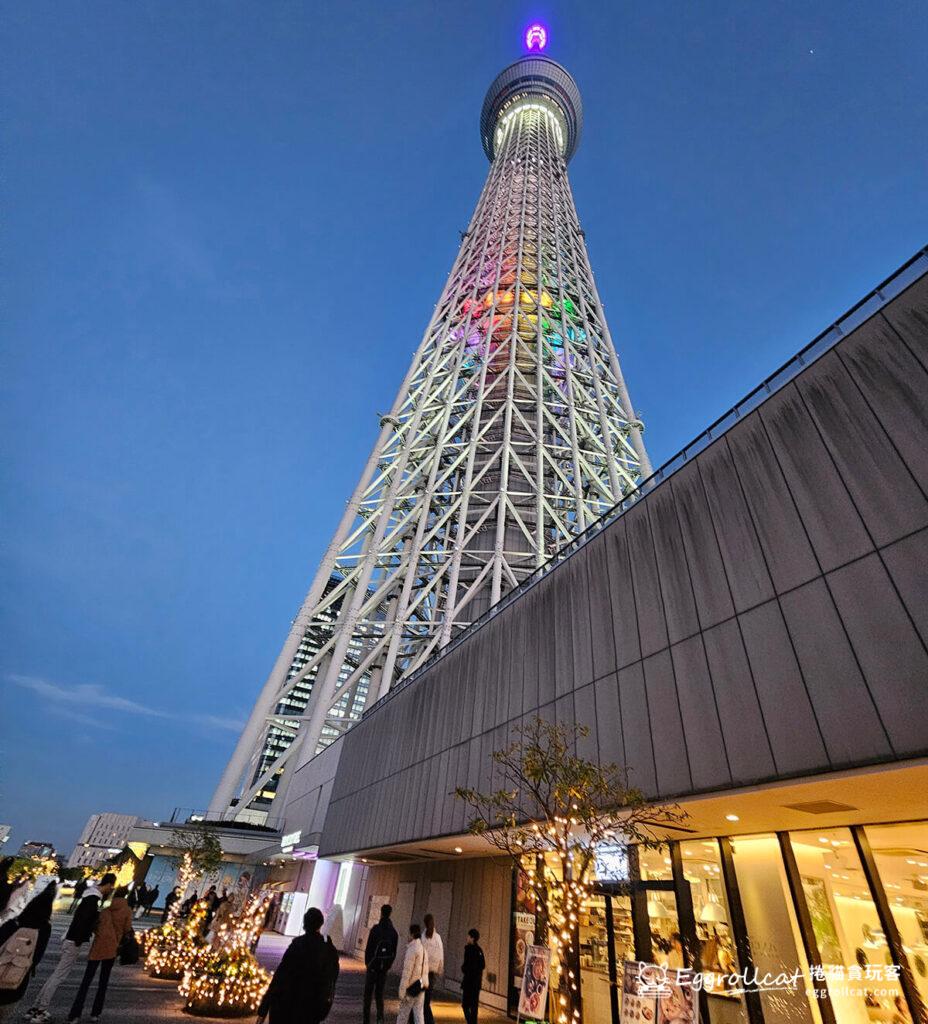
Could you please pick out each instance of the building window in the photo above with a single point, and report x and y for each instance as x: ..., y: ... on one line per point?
x: 702, y: 868
x: 851, y: 944
x: 773, y: 929
x: 901, y: 856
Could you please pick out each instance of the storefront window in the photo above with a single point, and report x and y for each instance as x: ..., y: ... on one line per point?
x: 702, y: 868
x: 851, y: 943
x: 773, y: 930
x: 901, y: 855
x: 666, y: 942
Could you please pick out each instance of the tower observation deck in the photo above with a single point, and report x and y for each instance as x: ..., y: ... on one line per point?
x: 512, y: 431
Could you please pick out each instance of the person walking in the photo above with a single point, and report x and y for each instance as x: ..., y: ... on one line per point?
x: 414, y: 979
x: 435, y: 951
x: 472, y: 976
x: 379, y: 955
x: 303, y: 987
x: 136, y: 899
x: 79, y: 932
x: 114, y: 925
x: 79, y: 891
x: 22, y: 946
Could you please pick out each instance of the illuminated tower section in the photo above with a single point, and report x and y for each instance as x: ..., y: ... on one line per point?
x: 511, y: 432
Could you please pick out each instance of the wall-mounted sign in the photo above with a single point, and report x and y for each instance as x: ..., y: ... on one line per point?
x: 290, y: 840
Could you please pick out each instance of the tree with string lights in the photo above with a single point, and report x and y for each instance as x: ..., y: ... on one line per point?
x: 551, y: 815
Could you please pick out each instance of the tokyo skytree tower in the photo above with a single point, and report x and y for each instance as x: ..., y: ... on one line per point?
x: 511, y: 432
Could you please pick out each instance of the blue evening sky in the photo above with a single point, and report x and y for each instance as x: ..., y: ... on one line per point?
x: 226, y: 224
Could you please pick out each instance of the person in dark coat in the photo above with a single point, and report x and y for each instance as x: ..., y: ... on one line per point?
x: 472, y: 976
x: 151, y: 898
x: 79, y: 891
x: 172, y: 897
x: 379, y: 955
x: 303, y: 987
x: 36, y: 914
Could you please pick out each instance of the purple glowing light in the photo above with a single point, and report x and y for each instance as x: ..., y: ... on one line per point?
x: 536, y: 37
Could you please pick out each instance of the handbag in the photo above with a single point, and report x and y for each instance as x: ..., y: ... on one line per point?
x: 129, y: 949
x: 414, y: 989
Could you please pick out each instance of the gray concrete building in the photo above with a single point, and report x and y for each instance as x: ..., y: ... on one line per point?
x: 748, y: 634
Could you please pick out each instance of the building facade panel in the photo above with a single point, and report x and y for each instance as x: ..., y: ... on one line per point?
x: 833, y: 678
x: 787, y: 553
x: 705, y: 745
x: 673, y: 572
x: 868, y: 463
x: 747, y: 745
x: 832, y: 522
x: 703, y: 557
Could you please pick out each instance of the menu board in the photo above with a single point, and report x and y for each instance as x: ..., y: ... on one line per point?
x: 534, y: 992
x: 524, y: 938
x: 657, y: 995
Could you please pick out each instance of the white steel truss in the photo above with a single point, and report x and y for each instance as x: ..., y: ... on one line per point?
x: 512, y: 431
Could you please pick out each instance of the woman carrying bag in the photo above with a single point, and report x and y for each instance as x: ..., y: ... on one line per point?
x: 22, y: 945
x: 414, y: 980
x: 114, y: 926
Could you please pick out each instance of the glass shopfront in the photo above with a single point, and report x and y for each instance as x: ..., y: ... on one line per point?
x: 840, y: 912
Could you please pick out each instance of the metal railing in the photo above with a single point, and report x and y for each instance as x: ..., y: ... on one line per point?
x: 219, y: 819
x: 872, y: 303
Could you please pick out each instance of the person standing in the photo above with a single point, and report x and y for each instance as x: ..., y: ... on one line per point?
x: 150, y: 898
x: 303, y: 987
x: 114, y: 925
x: 79, y: 932
x: 172, y: 897
x: 379, y: 955
x: 414, y: 979
x: 23, y: 937
x: 472, y: 976
x: 435, y: 951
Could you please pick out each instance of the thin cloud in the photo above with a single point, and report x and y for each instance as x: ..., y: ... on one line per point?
x: 74, y: 702
x: 85, y: 695
x: 79, y: 718
x: 218, y: 722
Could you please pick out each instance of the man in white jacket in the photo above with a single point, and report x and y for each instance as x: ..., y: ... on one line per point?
x: 415, y: 969
x: 435, y: 952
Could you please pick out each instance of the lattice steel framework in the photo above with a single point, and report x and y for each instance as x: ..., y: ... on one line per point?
x: 512, y: 431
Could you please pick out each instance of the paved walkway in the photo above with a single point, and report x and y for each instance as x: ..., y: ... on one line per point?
x: 135, y: 998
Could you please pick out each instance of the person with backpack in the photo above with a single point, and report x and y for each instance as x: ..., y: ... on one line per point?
x: 379, y: 955
x: 82, y: 927
x: 114, y: 925
x: 472, y: 976
x: 414, y: 980
x: 22, y: 946
x: 303, y: 987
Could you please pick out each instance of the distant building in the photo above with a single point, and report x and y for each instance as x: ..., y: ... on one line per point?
x: 103, y: 837
x: 34, y: 848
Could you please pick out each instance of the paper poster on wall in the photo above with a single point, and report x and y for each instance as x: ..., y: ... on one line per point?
x: 534, y: 992
x: 657, y: 995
